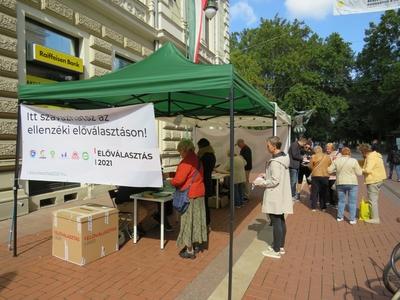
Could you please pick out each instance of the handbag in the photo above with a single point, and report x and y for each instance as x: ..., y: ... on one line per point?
x: 365, y: 210
x: 180, y: 200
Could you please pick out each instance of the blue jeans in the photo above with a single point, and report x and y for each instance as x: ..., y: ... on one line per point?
x: 294, y: 177
x: 397, y: 168
x: 238, y: 189
x: 351, y: 191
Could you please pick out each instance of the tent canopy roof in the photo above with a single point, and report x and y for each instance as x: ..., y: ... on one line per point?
x: 174, y: 84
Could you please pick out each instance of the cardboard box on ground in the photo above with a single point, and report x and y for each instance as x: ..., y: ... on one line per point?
x: 85, y: 233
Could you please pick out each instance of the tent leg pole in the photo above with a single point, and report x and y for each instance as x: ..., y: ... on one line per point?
x: 231, y: 188
x: 15, y: 188
x: 274, y: 126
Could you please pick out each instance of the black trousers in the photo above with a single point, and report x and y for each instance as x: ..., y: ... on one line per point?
x: 279, y: 231
x: 208, y: 220
x: 333, y: 197
x: 319, y: 191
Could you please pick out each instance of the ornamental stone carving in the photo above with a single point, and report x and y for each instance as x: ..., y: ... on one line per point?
x: 8, y: 105
x: 87, y: 23
x: 9, y: 65
x: 113, y: 35
x: 8, y: 127
x: 101, y: 45
x: 59, y: 8
x: 131, y: 7
x: 8, y: 23
x: 101, y: 59
x: 132, y: 45
x: 8, y: 44
x: 9, y: 4
x: 8, y: 86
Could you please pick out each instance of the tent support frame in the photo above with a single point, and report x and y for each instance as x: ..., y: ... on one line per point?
x: 16, y: 179
x: 231, y: 187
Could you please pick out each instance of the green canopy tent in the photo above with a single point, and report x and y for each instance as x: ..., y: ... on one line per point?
x: 175, y: 86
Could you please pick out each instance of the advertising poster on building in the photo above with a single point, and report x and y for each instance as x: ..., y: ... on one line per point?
x: 345, y: 7
x: 103, y: 146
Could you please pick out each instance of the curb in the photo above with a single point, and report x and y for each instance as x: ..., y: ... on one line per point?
x: 394, y: 191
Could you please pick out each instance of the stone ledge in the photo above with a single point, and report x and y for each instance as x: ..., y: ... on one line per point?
x: 8, y: 105
x: 8, y: 45
x: 87, y: 23
x: 59, y: 9
x: 8, y: 87
x: 112, y: 35
x: 8, y: 127
x: 9, y: 66
x: 101, y: 59
x: 101, y: 45
x: 98, y: 71
x: 8, y: 24
x: 8, y: 6
x: 7, y: 204
x: 132, y: 45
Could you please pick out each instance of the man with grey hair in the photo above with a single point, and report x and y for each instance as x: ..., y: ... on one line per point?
x: 245, y: 152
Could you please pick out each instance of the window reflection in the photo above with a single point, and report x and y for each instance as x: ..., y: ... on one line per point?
x: 121, y: 62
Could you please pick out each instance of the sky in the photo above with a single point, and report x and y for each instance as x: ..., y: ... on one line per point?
x: 317, y: 14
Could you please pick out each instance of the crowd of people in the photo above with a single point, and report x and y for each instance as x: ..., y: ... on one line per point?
x: 331, y: 175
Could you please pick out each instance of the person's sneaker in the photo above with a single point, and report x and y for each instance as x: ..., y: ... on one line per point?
x: 372, y: 221
x: 353, y: 222
x: 273, y: 254
x: 186, y: 254
x: 313, y: 210
x: 238, y: 206
x: 339, y: 219
x: 281, y: 250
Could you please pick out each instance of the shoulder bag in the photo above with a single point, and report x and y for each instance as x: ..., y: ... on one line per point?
x: 180, y: 200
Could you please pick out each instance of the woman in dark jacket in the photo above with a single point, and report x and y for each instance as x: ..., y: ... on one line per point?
x: 207, y: 158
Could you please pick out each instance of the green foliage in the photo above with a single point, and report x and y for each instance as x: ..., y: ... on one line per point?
x: 353, y: 98
x: 295, y: 67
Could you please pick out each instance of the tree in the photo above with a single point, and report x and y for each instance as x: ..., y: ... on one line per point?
x: 297, y: 69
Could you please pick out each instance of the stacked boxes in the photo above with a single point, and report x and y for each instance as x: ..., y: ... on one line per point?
x: 85, y: 233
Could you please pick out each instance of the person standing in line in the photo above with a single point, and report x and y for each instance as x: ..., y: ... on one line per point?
x: 277, y: 200
x: 239, y: 177
x: 374, y: 174
x: 189, y: 175
x: 304, y: 170
x: 206, y: 155
x: 394, y: 161
x: 319, y: 164
x: 347, y: 169
x: 333, y: 154
x: 245, y: 152
x: 295, y: 159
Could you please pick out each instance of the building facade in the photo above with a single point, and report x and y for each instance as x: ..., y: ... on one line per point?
x: 59, y: 40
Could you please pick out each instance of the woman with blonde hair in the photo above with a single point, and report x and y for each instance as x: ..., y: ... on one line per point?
x: 347, y: 169
x: 319, y: 164
x: 189, y: 175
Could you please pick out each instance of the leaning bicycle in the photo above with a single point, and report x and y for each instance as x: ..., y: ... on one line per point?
x: 391, y: 273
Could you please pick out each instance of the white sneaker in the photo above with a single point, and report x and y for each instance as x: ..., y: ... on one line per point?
x: 339, y: 219
x: 272, y: 254
x: 314, y: 210
x: 281, y: 250
x: 353, y: 222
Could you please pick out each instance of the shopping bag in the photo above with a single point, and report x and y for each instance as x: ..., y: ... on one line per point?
x: 365, y: 209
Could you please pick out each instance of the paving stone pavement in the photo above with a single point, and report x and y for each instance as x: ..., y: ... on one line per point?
x: 137, y: 271
x: 326, y: 259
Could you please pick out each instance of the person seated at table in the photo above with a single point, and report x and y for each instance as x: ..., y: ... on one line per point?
x: 189, y: 175
x: 207, y: 157
x: 123, y: 194
x: 239, y: 177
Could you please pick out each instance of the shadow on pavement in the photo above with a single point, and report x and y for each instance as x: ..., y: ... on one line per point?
x: 263, y: 229
x: 6, y: 278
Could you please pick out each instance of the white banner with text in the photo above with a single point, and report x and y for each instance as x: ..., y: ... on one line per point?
x: 103, y: 146
x: 345, y: 7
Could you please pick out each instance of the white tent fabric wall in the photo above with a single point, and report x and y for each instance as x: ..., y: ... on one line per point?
x: 255, y: 139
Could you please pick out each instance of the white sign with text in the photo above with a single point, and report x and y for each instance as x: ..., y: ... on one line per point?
x: 345, y: 7
x: 103, y: 146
